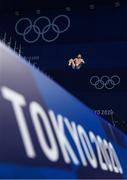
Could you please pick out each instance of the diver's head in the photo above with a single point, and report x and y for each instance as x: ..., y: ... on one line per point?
x: 79, y: 56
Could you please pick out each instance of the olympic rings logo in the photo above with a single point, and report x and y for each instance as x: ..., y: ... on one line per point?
x: 105, y: 82
x: 44, y: 32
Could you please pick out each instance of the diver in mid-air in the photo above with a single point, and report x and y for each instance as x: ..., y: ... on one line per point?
x: 77, y: 62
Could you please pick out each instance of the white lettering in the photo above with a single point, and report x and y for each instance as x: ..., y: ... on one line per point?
x: 115, y: 160
x: 73, y: 131
x: 106, y: 153
x: 18, y: 102
x: 99, y: 152
x: 87, y: 146
x: 63, y: 141
x: 36, y: 110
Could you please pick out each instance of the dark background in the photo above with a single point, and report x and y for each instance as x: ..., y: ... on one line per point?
x: 98, y: 30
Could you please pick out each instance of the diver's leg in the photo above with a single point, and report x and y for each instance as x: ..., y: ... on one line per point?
x: 78, y: 66
x: 73, y: 65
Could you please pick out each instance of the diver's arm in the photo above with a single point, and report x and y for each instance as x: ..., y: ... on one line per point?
x: 82, y: 61
x: 70, y: 62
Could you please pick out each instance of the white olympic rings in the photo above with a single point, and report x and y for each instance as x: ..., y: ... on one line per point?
x: 105, y: 82
x: 41, y: 32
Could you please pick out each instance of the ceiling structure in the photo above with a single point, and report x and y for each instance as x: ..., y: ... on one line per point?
x: 7, y: 6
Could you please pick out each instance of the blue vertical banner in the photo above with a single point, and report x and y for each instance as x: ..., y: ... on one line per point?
x: 45, y: 132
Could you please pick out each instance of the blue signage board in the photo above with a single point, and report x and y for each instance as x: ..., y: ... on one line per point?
x: 45, y: 132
